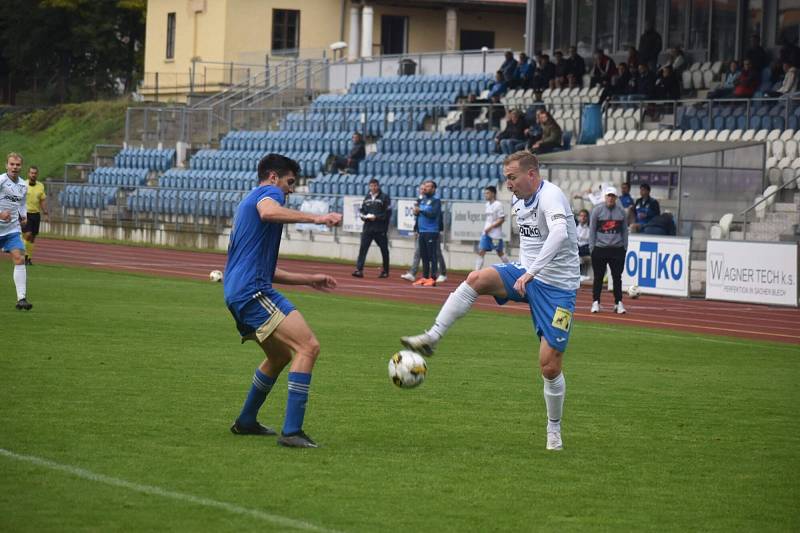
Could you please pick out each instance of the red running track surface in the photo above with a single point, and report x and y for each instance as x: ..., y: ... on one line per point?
x: 693, y: 315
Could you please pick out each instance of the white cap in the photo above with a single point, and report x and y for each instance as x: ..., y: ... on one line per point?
x: 610, y: 190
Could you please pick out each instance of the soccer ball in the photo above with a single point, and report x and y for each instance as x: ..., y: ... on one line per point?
x: 215, y: 276
x: 634, y: 291
x: 407, y: 369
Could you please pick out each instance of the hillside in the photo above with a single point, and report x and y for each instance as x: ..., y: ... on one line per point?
x: 50, y: 137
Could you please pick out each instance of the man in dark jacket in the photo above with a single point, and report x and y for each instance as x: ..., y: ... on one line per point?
x: 645, y: 208
x: 756, y: 54
x: 668, y: 87
x: 645, y: 83
x: 357, y: 153
x: 577, y: 66
x: 429, y: 210
x: 376, y: 210
x: 604, y: 69
x: 650, y: 46
x: 512, y: 138
x: 509, y: 68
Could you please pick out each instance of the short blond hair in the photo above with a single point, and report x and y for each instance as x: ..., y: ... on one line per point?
x: 526, y: 160
x: 14, y: 155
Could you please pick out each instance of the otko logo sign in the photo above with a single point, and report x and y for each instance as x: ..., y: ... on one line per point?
x: 658, y: 265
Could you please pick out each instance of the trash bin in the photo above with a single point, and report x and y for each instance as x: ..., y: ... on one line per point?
x: 407, y: 67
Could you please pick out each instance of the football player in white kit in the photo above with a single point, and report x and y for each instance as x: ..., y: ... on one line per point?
x: 13, y: 193
x: 547, y: 279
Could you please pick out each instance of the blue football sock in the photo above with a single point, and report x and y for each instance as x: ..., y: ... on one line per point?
x: 262, y: 384
x: 299, y: 384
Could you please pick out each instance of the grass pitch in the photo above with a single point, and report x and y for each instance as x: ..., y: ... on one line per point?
x: 126, y: 386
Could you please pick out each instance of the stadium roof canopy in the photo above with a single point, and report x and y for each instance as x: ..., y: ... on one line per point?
x: 634, y: 153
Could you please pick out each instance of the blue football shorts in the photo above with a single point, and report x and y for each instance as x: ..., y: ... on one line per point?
x: 551, y: 308
x: 257, y: 319
x: 488, y: 244
x: 12, y: 241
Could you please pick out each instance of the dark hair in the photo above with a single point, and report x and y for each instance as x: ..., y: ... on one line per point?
x: 33, y: 167
x: 373, y: 180
x: 491, y: 188
x: 431, y: 182
x: 645, y: 186
x: 584, y: 211
x: 279, y: 164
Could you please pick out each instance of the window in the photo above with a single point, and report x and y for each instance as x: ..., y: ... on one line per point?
x: 393, y: 34
x: 723, y: 33
x: 563, y: 29
x: 698, y: 28
x: 788, y: 21
x: 754, y: 19
x: 583, y: 38
x: 628, y: 16
x: 654, y: 13
x: 475, y: 40
x: 170, y: 35
x: 544, y: 24
x: 605, y: 25
x: 285, y: 30
x: 677, y: 23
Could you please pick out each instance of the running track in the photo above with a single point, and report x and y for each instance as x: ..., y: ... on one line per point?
x: 693, y: 315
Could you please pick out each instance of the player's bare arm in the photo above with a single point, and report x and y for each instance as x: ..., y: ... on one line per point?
x: 322, y: 282
x: 271, y: 211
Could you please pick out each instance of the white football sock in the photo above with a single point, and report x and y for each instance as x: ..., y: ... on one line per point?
x: 21, y: 281
x: 479, y: 262
x: 456, y: 306
x: 554, y: 391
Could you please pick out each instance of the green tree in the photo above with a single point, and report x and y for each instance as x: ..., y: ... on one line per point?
x: 70, y: 50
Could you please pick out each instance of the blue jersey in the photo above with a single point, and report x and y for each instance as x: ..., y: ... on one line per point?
x: 253, y: 249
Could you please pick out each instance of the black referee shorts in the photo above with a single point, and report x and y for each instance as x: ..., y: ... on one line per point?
x: 32, y: 224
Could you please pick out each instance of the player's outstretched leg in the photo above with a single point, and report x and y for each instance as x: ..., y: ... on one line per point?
x: 295, y: 333
x: 278, y: 356
x: 484, y: 281
x: 555, y: 388
x: 20, y: 279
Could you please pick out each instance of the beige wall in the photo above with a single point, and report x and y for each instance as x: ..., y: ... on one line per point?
x: 508, y: 28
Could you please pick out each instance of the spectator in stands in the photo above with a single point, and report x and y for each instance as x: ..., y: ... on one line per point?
x: 668, y: 86
x: 789, y: 84
x: 729, y: 79
x: 603, y: 70
x: 633, y: 59
x: 644, y: 84
x: 411, y: 275
x: 499, y: 87
x: 357, y: 153
x: 677, y: 60
x: 594, y: 195
x: 509, y: 68
x: 645, y: 208
x: 756, y: 54
x: 650, y: 46
x: 470, y: 110
x: 496, y: 113
x: 582, y: 229
x: 625, y: 198
x: 376, y: 211
x: 524, y: 73
x: 551, y: 134
x: 577, y: 66
x: 429, y: 211
x: 620, y: 86
x: 747, y: 83
x: 663, y: 224
x: 608, y: 240
x: 512, y: 138
x: 545, y: 72
x: 561, y: 67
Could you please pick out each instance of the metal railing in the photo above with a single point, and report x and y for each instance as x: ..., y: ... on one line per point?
x: 761, y: 201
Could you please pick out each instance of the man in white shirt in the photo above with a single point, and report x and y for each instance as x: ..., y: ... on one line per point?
x: 13, y: 213
x: 547, y: 279
x: 492, y: 236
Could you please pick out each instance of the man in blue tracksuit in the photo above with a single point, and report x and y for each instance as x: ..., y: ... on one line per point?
x: 429, y: 211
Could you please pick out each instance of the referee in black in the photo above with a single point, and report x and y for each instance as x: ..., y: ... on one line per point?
x: 376, y: 210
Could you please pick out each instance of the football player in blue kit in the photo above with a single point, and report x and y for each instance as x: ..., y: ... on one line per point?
x: 264, y: 315
x: 546, y: 278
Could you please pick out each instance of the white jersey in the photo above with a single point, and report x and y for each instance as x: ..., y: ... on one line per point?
x: 494, y: 212
x: 12, y: 198
x: 546, y: 210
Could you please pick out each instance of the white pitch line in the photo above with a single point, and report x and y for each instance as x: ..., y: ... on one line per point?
x: 157, y: 491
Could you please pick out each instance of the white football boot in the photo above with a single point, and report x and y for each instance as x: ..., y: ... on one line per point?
x: 554, y: 440
x: 422, y: 344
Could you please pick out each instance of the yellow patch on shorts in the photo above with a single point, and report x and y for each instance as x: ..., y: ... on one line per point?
x: 562, y: 319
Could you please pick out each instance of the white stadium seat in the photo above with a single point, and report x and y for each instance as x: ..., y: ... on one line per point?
x: 724, y: 135
x: 687, y: 135
x: 697, y: 79
x: 662, y: 135
x: 736, y: 135
x: 676, y: 135
x: 774, y: 135
x: 786, y: 135
x: 711, y: 135
x: 630, y: 135
x: 699, y: 135
x: 749, y: 135
x: 792, y: 184
x: 620, y: 136
x: 776, y: 148
x: 761, y: 135
x: 775, y: 175
x: 785, y: 162
x: 642, y: 135
x: 790, y: 148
